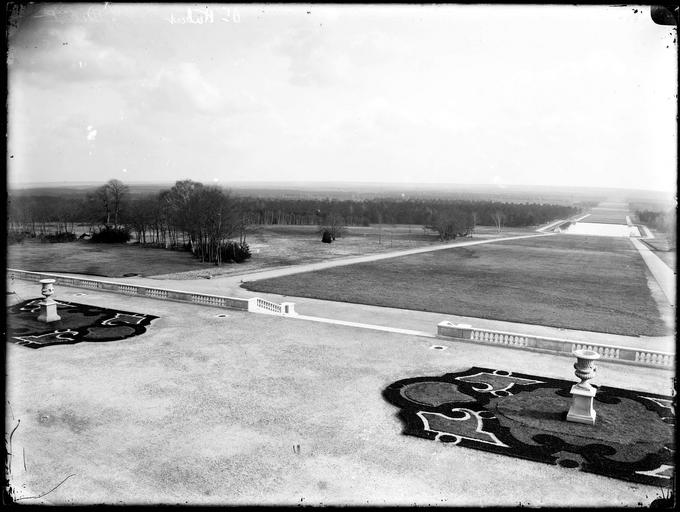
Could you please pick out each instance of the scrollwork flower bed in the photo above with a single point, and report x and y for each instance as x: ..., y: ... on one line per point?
x: 525, y: 416
x: 79, y: 322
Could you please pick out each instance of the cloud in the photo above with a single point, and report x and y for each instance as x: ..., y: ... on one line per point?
x: 314, y: 59
x: 203, y: 94
x: 184, y: 87
x: 68, y: 54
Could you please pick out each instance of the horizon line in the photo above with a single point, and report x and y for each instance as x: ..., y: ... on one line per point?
x: 309, y: 184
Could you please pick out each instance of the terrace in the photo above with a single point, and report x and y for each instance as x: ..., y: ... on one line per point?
x: 245, y: 409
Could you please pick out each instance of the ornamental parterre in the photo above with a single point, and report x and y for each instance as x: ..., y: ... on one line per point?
x: 79, y: 322
x: 525, y: 416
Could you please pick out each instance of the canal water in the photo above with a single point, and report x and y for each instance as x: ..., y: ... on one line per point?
x: 598, y: 229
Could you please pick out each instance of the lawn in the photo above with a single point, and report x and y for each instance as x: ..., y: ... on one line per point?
x: 109, y: 260
x: 271, y: 247
x: 575, y: 282
x: 603, y: 215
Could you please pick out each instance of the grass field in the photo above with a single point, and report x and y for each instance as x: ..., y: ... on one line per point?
x: 271, y: 247
x: 575, y: 282
x: 113, y: 260
x: 605, y: 215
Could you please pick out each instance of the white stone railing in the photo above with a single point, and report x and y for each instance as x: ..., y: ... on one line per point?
x: 254, y: 304
x: 266, y: 306
x: 612, y: 353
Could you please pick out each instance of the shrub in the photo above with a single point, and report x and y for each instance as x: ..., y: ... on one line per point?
x: 15, y: 237
x: 234, y: 251
x: 243, y: 252
x: 59, y: 237
x: 110, y: 235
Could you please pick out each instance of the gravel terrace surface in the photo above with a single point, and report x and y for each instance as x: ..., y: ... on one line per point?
x: 207, y: 410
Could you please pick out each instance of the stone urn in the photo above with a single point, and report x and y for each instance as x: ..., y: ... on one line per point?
x: 582, y: 394
x: 585, y: 368
x: 48, y: 307
x: 47, y: 287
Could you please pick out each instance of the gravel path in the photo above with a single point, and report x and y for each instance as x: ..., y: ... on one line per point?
x: 663, y: 274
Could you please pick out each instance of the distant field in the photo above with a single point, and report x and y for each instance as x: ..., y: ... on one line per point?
x: 271, y: 246
x: 575, y: 282
x: 112, y: 260
x: 607, y: 216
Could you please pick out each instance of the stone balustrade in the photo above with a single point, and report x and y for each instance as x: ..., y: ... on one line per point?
x: 612, y: 353
x: 254, y: 304
x: 266, y: 306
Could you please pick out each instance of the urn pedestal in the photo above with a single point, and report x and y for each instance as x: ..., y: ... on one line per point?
x: 48, y: 307
x: 581, y: 410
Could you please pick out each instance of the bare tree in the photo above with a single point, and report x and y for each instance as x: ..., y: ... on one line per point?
x: 449, y: 223
x: 498, y: 218
x: 116, y: 191
x: 334, y: 225
x: 101, y: 196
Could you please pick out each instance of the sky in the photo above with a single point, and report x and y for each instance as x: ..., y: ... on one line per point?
x: 466, y: 94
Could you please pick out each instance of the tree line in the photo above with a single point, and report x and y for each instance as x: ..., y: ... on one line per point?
x: 188, y: 216
x: 663, y: 221
x: 446, y: 216
x: 204, y: 218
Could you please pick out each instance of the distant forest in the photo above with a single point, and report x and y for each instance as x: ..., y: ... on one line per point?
x: 213, y: 224
x: 399, y: 211
x: 167, y: 211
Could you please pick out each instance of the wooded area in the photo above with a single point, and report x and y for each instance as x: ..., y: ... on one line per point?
x: 204, y: 219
